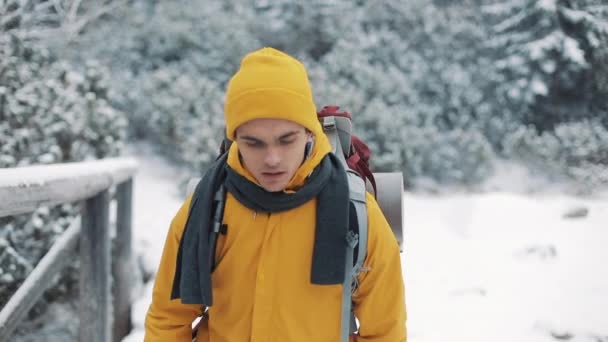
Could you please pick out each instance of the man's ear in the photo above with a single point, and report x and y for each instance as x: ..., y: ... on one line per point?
x: 308, y: 147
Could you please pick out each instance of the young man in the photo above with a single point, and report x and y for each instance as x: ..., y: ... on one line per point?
x: 278, y: 266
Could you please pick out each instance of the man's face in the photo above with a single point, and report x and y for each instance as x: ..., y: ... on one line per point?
x: 272, y: 150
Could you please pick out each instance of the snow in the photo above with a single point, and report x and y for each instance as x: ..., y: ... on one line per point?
x: 539, y: 87
x: 494, y: 267
x: 557, y: 40
x: 573, y: 51
x: 156, y: 199
x: 504, y: 267
x: 116, y: 169
x: 547, y: 5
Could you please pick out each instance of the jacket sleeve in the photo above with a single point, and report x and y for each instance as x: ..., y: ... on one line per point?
x: 379, y: 302
x: 170, y: 320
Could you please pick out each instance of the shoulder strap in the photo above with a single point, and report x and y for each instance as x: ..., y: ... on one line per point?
x: 219, y: 200
x: 354, y: 239
x: 356, y: 187
x: 219, y: 203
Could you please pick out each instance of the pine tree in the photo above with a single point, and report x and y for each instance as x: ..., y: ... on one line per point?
x: 545, y: 51
x: 553, y: 74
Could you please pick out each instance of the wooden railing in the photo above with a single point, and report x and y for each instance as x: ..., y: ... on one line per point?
x: 104, y: 316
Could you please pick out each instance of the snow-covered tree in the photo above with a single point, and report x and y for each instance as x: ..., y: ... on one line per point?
x: 469, y: 71
x: 170, y: 66
x: 184, y: 113
x: 548, y: 55
x: 587, y: 21
x: 572, y: 151
x: 49, y: 113
x: 552, y: 74
x: 407, y: 71
x: 301, y: 28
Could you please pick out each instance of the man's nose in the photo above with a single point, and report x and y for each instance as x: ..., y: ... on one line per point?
x: 272, y: 157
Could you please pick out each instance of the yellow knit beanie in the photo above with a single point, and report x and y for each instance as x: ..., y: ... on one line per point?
x: 273, y: 85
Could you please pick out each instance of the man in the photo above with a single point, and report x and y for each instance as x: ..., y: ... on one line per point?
x: 278, y: 265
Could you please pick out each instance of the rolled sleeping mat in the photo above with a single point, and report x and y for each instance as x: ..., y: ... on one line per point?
x: 389, y: 198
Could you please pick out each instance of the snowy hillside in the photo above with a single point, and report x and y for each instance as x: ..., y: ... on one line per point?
x: 493, y: 267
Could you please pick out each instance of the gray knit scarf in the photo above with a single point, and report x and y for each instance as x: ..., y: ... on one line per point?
x: 328, y: 183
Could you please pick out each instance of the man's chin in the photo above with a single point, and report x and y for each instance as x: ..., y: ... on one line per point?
x: 273, y: 185
x: 273, y: 188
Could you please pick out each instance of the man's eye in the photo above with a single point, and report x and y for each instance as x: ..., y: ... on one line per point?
x: 287, y: 142
x: 254, y: 144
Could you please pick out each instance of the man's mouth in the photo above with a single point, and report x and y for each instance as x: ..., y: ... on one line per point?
x: 272, y: 174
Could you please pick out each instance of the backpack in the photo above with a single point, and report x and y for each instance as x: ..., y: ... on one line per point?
x: 355, y: 156
x: 355, y: 151
x: 387, y: 187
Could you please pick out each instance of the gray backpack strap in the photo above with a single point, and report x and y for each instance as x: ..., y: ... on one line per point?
x: 361, y: 209
x: 218, y: 216
x: 356, y: 188
x: 351, y: 242
x: 330, y: 127
x: 336, y: 130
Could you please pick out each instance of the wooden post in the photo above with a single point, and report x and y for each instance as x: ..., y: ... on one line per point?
x: 95, y: 304
x: 124, y: 268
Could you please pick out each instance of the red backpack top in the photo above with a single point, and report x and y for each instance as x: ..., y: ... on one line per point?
x: 356, y: 152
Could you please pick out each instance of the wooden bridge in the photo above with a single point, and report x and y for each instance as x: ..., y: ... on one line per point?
x: 104, y: 313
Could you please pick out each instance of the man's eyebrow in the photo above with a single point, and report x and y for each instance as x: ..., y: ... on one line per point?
x: 288, y: 135
x: 281, y: 137
x: 250, y: 138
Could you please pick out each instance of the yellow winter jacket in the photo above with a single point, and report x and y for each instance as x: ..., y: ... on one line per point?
x: 261, y: 284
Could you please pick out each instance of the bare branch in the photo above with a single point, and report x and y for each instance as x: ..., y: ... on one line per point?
x: 68, y: 28
x: 24, y: 3
x: 59, y: 8
x: 42, y: 6
x: 79, y: 25
x: 74, y: 11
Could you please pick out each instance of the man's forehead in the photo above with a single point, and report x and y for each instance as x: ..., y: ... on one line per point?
x: 265, y: 129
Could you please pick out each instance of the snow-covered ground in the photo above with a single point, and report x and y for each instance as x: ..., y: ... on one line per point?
x: 478, y: 268
x: 503, y: 267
